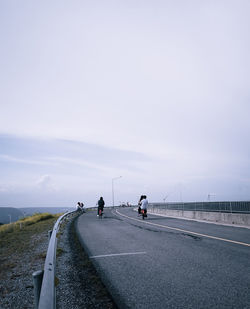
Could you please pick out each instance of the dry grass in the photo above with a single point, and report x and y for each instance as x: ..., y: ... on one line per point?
x: 20, y: 224
x: 21, y: 236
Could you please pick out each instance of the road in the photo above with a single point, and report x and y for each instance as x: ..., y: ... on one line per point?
x: 168, y: 263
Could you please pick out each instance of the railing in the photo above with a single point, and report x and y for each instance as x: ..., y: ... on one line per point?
x: 44, y: 281
x: 231, y: 207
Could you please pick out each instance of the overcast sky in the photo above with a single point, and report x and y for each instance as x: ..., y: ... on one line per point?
x: 157, y: 92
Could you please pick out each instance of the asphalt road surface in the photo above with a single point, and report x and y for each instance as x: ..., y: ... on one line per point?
x: 164, y: 262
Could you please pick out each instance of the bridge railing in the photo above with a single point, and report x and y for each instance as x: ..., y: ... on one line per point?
x: 44, y: 281
x: 226, y: 206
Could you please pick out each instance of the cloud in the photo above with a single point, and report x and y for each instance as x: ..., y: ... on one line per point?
x: 45, y: 183
x: 20, y: 160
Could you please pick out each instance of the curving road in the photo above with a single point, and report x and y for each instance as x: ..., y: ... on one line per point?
x: 168, y: 263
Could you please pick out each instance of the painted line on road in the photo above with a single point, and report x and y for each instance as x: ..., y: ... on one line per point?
x: 115, y: 254
x: 185, y: 231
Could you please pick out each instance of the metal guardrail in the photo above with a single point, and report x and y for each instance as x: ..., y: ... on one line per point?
x: 46, y: 297
x: 229, y: 207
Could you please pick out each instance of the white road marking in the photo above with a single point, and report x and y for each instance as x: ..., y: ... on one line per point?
x: 185, y: 231
x: 115, y: 254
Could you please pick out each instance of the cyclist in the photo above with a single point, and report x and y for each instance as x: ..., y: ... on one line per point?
x: 144, y: 205
x: 139, y: 204
x: 101, y: 204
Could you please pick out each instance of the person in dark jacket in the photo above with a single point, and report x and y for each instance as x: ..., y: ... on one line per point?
x: 101, y: 204
x: 139, y: 204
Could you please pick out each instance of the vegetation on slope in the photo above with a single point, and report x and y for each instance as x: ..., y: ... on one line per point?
x: 21, y: 236
x: 23, y: 247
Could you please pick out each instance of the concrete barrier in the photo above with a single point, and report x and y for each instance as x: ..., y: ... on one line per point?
x: 220, y: 217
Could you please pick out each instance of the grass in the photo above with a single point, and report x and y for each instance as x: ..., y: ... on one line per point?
x: 19, y: 237
x: 59, y: 251
x: 23, y: 247
x: 20, y: 224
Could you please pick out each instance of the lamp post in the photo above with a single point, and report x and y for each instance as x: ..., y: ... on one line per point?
x: 113, y: 198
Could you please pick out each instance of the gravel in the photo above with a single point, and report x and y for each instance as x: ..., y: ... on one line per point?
x: 16, y: 284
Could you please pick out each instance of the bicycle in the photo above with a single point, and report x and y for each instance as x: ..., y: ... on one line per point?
x: 100, y: 212
x: 144, y: 213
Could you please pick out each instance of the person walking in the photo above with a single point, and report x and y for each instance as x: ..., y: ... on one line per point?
x: 101, y: 204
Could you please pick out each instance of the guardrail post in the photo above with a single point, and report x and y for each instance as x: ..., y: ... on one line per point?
x: 49, y: 234
x: 37, y: 280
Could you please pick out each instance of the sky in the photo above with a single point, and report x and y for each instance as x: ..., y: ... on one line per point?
x: 157, y: 92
